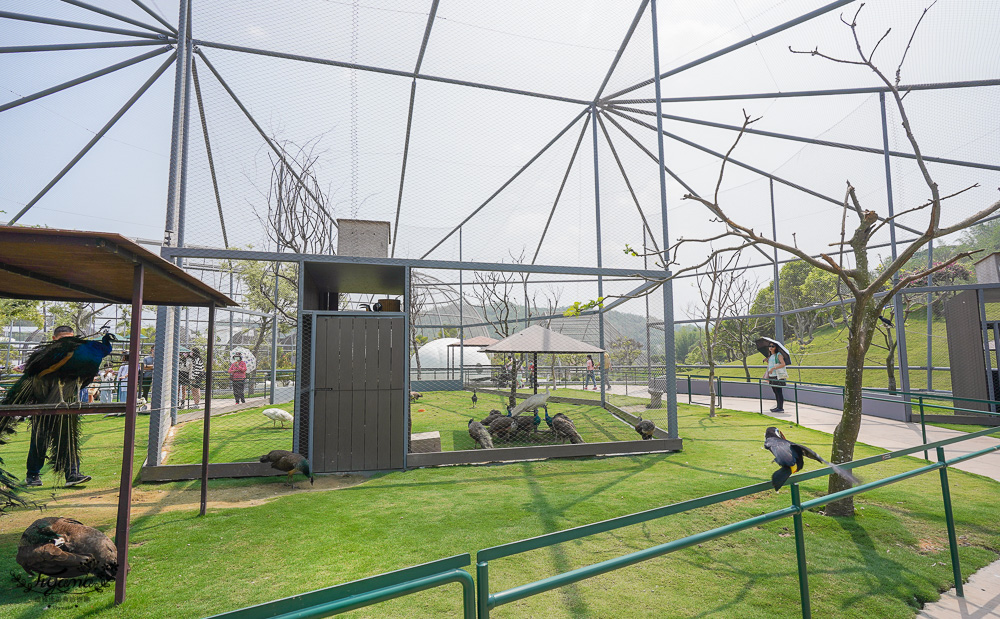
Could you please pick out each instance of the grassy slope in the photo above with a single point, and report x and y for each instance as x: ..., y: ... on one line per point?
x: 830, y: 348
x: 880, y: 564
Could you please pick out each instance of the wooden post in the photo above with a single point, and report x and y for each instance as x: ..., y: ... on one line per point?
x: 208, y: 408
x: 128, y: 452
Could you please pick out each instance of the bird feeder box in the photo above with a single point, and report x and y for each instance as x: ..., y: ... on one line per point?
x: 352, y: 409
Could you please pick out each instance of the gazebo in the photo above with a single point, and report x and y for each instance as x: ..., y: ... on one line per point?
x: 537, y: 339
x: 68, y: 265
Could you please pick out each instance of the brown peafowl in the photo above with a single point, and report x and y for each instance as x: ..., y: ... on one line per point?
x: 66, y: 548
x: 503, y: 427
x: 479, y: 434
x: 475, y: 398
x: 289, y: 462
x: 493, y: 416
x: 645, y: 428
x: 415, y: 395
x: 563, y: 428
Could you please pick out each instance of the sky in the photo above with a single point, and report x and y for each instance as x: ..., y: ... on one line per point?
x: 466, y: 143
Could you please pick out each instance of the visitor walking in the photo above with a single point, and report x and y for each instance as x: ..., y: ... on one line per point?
x: 776, y: 376
x: 147, y: 372
x: 238, y: 376
x: 590, y: 374
x: 197, y: 375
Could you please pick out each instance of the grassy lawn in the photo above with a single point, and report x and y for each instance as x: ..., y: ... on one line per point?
x: 882, y: 563
x: 449, y: 414
x: 236, y: 437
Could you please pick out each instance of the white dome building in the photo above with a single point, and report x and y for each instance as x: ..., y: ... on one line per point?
x: 438, y: 354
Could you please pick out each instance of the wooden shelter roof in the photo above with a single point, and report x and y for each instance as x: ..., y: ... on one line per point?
x: 70, y: 265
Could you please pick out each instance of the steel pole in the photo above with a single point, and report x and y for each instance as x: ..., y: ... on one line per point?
x: 669, y: 360
x: 779, y: 321
x: 897, y: 303
x: 956, y: 567
x: 210, y: 353
x: 128, y: 453
x: 600, y: 278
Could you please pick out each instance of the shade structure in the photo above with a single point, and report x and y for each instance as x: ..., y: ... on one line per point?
x: 476, y: 342
x: 69, y: 265
x: 538, y: 339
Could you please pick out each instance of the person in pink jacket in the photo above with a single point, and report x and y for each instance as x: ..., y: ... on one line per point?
x: 238, y: 376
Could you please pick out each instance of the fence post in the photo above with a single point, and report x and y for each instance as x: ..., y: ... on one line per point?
x: 800, y: 554
x: 483, y: 589
x: 690, y: 401
x: 760, y: 394
x: 719, y: 390
x: 956, y: 568
x: 923, y: 427
x: 795, y: 388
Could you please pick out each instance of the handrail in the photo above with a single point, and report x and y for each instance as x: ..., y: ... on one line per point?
x: 367, y: 591
x: 487, y: 601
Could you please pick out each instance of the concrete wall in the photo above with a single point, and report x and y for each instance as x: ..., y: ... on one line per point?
x: 816, y: 396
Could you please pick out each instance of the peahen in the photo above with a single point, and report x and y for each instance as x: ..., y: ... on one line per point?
x: 289, y: 462
x: 479, y: 434
x: 493, y: 416
x: 563, y: 428
x: 475, y: 398
x: 645, y: 428
x: 66, y: 548
x: 503, y: 427
x: 54, y: 374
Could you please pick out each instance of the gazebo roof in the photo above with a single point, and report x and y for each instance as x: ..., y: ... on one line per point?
x: 537, y: 338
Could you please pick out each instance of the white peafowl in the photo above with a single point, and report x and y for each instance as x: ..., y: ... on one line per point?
x: 278, y: 415
x: 539, y: 399
x: 479, y: 434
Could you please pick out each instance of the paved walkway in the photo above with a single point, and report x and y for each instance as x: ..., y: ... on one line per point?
x: 982, y: 591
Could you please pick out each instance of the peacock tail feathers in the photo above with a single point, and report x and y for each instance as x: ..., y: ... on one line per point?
x: 59, y: 436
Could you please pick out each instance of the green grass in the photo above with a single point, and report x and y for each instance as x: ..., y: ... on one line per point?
x: 882, y: 563
x: 236, y: 437
x: 449, y: 414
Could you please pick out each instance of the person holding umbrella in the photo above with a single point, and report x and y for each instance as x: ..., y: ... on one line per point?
x: 776, y: 375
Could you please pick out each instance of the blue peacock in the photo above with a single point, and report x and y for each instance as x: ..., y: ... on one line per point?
x: 54, y: 374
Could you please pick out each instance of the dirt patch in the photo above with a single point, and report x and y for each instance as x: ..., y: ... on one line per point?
x: 99, y: 506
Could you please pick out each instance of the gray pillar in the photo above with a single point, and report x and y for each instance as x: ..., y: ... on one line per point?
x: 163, y: 395
x: 779, y: 321
x: 600, y: 278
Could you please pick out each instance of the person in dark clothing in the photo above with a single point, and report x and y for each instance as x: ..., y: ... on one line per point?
x: 36, y: 451
x: 776, y: 362
x: 147, y: 372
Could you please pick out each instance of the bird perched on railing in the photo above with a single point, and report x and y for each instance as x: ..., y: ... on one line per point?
x: 533, y: 402
x: 67, y: 362
x: 54, y: 373
x: 475, y: 398
x: 789, y: 457
x: 66, y: 548
x: 645, y: 428
x: 278, y: 415
x: 563, y: 428
x: 289, y: 462
x: 479, y: 434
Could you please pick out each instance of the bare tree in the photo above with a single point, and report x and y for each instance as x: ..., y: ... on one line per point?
x: 418, y: 306
x: 885, y: 329
x: 864, y: 286
x: 494, y: 292
x: 717, y: 287
x: 299, y: 217
x: 737, y: 335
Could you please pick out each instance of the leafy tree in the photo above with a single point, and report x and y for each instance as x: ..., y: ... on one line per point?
x: 685, y: 339
x: 624, y: 350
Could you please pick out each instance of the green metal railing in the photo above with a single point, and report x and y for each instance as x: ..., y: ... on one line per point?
x: 487, y: 601
x: 368, y: 591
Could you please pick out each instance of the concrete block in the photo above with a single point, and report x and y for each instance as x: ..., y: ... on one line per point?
x: 425, y: 442
x: 366, y: 239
